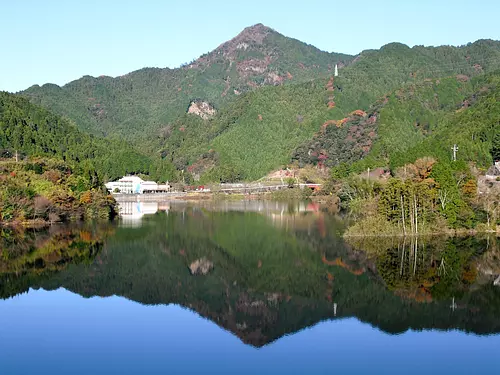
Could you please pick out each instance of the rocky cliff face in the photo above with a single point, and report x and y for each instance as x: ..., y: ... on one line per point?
x: 202, y: 109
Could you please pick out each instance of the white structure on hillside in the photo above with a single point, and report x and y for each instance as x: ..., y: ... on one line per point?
x: 494, y: 171
x: 336, y: 70
x: 135, y: 185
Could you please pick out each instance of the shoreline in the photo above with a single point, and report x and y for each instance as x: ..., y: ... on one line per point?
x: 445, y: 232
x: 432, y: 234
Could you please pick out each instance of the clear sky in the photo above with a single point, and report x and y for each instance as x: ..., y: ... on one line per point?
x: 59, y: 41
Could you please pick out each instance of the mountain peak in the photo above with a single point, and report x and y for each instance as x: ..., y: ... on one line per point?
x: 250, y: 38
x: 251, y: 35
x: 257, y: 29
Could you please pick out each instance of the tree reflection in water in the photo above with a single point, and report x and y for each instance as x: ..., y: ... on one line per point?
x: 276, y: 270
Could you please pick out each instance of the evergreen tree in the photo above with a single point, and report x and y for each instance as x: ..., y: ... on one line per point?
x: 495, y: 148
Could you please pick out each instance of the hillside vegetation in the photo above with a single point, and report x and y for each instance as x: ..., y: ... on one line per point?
x: 423, y: 119
x: 50, y: 171
x: 41, y: 191
x: 136, y: 105
x: 31, y: 130
x: 269, y: 99
x: 258, y: 131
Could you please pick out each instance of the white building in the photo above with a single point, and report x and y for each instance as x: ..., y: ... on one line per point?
x: 132, y: 185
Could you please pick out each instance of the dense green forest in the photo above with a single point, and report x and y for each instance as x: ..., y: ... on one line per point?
x: 423, y: 119
x: 31, y: 130
x: 285, y: 121
x: 137, y: 105
x: 50, y: 171
x: 256, y: 133
x: 276, y: 101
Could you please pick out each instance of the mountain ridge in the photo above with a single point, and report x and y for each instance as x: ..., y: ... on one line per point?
x: 219, y: 47
x: 162, y: 94
x: 249, y: 81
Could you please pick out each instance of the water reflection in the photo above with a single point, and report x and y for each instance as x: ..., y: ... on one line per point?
x: 426, y: 269
x: 30, y: 255
x: 275, y: 269
x: 132, y: 211
x: 137, y: 207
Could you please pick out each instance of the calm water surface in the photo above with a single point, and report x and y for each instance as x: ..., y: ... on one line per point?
x: 282, y: 293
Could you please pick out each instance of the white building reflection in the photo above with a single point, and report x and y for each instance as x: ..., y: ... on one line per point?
x: 282, y: 214
x: 132, y: 212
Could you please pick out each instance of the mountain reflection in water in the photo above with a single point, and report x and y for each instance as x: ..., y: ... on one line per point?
x: 276, y: 269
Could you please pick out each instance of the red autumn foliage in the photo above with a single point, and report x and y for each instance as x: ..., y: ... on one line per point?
x: 85, y: 236
x: 322, y: 157
x: 371, y: 120
x: 329, y: 85
x: 358, y: 112
x: 342, y: 122
x: 339, y: 262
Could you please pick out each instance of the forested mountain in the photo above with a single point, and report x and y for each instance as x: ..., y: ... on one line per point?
x: 34, y: 131
x: 241, y: 110
x: 258, y: 131
x: 138, y: 104
x: 423, y: 119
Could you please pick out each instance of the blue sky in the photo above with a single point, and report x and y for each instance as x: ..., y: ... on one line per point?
x: 59, y: 41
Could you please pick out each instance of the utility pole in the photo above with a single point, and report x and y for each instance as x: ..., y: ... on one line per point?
x: 454, y: 149
x: 17, y: 157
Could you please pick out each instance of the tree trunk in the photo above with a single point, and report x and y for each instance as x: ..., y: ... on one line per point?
x: 403, y: 214
x: 416, y: 214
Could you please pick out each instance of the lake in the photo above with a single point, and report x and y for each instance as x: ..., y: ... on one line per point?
x: 250, y: 287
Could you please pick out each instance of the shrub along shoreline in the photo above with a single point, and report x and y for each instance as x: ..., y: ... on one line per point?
x: 420, y: 199
x: 40, y: 191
